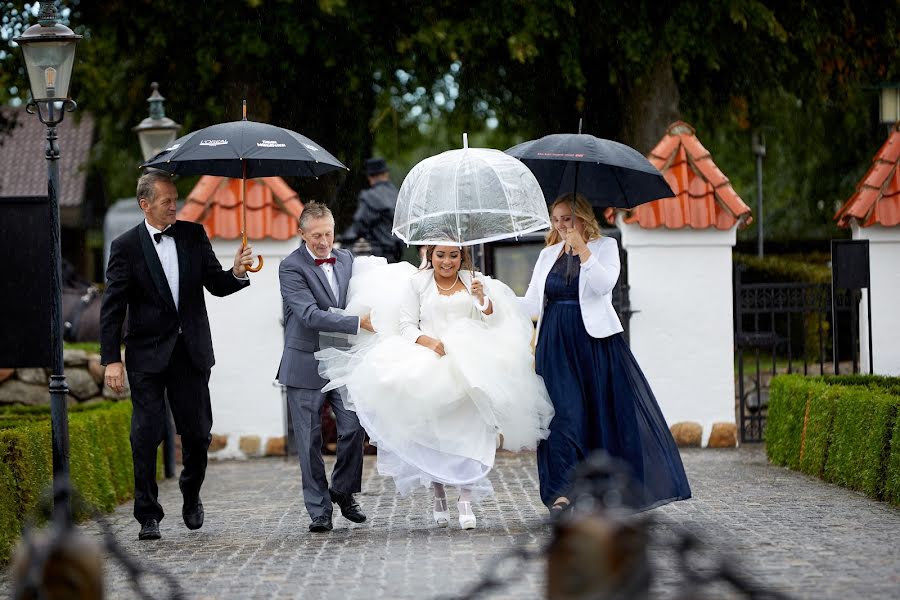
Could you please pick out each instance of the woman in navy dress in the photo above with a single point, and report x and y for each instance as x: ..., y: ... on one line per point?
x: 601, y: 398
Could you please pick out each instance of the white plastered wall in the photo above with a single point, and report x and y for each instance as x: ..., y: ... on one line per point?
x: 884, y: 277
x: 682, y: 333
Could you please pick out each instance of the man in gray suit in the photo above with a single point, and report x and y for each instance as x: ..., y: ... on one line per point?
x: 314, y: 278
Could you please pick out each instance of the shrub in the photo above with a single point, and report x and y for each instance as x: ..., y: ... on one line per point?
x: 817, y: 431
x: 892, y: 472
x: 845, y: 429
x: 99, y: 453
x: 863, y: 425
x: 784, y: 423
x: 780, y: 268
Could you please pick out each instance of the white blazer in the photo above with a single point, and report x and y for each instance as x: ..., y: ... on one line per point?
x: 595, y: 284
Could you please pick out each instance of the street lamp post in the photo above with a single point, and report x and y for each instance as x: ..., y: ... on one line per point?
x: 156, y: 133
x: 49, y: 52
x: 759, y: 149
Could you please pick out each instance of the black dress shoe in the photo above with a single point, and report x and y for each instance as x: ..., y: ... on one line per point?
x: 149, y: 530
x: 320, y: 524
x: 193, y: 514
x: 349, y: 507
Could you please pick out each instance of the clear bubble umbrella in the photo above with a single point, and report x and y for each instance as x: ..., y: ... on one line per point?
x: 469, y: 196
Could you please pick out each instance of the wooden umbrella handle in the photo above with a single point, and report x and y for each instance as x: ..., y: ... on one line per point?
x: 259, y: 257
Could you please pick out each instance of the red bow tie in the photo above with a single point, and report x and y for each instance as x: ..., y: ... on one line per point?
x: 321, y: 261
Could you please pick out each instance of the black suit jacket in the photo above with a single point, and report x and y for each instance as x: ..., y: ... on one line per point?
x: 135, y: 281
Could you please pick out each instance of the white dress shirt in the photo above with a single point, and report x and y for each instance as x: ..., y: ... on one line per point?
x: 168, y: 258
x: 329, y: 273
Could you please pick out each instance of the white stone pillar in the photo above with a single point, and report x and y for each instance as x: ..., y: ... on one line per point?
x: 683, y: 334
x: 248, y: 339
x: 884, y: 277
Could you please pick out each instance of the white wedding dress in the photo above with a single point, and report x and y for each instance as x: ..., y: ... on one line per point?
x: 437, y: 418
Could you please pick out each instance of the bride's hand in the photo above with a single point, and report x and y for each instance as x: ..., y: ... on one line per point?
x: 432, y: 344
x: 478, y: 290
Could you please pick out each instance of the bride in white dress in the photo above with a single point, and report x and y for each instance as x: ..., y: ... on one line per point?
x: 447, y: 378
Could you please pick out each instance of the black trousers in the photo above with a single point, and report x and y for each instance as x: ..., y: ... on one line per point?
x: 187, y: 389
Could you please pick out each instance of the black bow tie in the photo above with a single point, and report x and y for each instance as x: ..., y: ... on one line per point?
x: 157, y: 237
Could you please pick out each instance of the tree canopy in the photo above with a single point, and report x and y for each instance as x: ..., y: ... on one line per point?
x: 407, y: 78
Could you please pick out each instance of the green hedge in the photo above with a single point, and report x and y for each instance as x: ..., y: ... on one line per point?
x: 99, y: 460
x: 844, y: 429
x: 784, y: 268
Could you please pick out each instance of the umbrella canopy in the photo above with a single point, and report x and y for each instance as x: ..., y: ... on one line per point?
x: 469, y: 196
x: 227, y: 148
x: 607, y: 173
x: 245, y: 150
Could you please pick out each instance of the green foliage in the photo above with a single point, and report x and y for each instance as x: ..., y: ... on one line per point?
x: 817, y: 430
x: 783, y: 269
x: 892, y: 475
x: 10, y: 523
x: 848, y: 432
x: 863, y: 424
x: 100, y: 463
x: 366, y: 74
x: 788, y: 398
x: 86, y: 346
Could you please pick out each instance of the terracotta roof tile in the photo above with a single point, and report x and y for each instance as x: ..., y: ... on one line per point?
x: 272, y: 208
x: 877, y: 196
x: 23, y: 170
x: 703, y: 198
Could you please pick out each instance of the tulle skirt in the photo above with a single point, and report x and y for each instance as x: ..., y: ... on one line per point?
x: 438, y: 418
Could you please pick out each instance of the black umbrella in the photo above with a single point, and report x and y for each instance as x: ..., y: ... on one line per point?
x: 245, y: 149
x: 607, y: 173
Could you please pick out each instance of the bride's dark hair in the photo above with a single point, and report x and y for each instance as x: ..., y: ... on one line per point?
x: 465, y: 262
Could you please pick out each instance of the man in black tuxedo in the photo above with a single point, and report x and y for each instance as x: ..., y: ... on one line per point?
x: 156, y: 275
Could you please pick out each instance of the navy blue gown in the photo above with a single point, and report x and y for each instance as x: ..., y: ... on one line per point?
x: 602, y: 401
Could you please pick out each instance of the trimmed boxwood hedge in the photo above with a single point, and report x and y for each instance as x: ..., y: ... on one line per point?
x: 99, y: 459
x: 844, y: 429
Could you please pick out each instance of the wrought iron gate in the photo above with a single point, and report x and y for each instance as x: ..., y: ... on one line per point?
x: 787, y: 328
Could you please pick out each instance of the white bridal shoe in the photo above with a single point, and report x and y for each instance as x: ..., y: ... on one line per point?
x: 466, y: 516
x: 441, y: 512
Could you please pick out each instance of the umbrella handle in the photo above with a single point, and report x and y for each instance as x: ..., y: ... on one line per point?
x: 259, y: 257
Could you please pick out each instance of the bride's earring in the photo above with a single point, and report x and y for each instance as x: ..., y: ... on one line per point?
x: 441, y: 512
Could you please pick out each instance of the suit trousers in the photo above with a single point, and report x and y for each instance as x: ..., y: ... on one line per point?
x: 187, y: 389
x: 306, y: 410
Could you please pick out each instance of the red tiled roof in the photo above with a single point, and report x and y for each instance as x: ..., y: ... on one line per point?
x: 877, y: 197
x: 272, y: 208
x: 23, y: 169
x: 703, y: 197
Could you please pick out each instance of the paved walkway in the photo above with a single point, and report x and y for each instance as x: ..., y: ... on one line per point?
x: 802, y: 536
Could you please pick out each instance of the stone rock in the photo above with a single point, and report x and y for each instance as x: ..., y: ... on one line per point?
x: 723, y: 435
x: 19, y: 392
x: 38, y: 376
x: 250, y: 445
x: 687, y: 434
x: 276, y: 446
x: 6, y: 374
x: 81, y: 384
x: 218, y: 442
x: 75, y: 358
x: 96, y: 369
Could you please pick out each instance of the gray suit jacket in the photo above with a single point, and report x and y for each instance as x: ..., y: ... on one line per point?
x: 306, y: 298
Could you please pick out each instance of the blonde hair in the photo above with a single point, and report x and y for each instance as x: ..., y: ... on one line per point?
x: 583, y: 211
